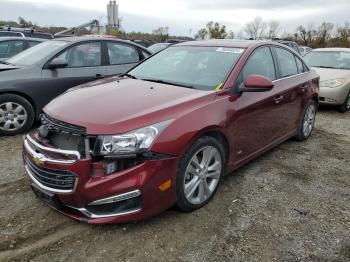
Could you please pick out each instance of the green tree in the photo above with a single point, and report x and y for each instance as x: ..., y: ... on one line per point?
x: 216, y: 31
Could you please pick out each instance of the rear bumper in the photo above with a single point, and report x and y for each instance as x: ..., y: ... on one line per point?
x: 133, y: 193
x: 334, y: 95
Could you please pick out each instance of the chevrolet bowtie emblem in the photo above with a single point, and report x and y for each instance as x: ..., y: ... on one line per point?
x: 38, y: 161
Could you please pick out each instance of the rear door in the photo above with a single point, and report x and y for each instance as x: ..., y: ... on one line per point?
x: 84, y: 65
x: 291, y: 85
x: 121, y: 57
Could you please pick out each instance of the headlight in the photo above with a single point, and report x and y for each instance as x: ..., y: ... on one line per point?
x: 133, y: 142
x: 332, y: 82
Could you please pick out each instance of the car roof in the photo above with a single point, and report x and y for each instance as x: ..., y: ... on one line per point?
x: 226, y: 43
x: 4, y: 38
x: 329, y: 49
x: 76, y: 39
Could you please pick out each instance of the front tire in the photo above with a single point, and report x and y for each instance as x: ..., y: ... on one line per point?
x: 199, y: 174
x: 16, y: 114
x: 346, y: 106
x: 308, y: 121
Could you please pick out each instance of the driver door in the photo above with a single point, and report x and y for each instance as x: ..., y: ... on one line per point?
x: 84, y: 64
x: 259, y: 118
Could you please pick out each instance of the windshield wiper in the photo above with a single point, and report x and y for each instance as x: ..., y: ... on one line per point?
x: 130, y: 76
x: 168, y: 82
x: 331, y: 67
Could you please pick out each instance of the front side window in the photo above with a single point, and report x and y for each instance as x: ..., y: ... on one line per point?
x: 301, y: 67
x: 199, y: 67
x: 122, y: 54
x: 260, y: 63
x: 287, y: 64
x: 328, y: 59
x: 10, y: 48
x: 83, y: 55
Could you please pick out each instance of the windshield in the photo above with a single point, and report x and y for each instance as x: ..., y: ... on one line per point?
x: 328, y: 59
x: 204, y: 68
x: 35, y: 54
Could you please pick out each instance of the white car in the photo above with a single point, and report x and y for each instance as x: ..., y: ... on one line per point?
x: 304, y: 50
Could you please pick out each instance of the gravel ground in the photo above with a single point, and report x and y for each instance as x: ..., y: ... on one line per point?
x: 291, y: 204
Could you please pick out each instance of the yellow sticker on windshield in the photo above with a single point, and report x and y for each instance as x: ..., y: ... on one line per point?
x: 219, y: 86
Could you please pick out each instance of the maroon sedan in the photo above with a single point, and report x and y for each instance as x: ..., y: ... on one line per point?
x: 127, y: 148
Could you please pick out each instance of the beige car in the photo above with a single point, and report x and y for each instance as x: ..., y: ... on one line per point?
x: 333, y: 66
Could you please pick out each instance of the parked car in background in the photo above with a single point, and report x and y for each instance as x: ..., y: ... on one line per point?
x: 333, y: 66
x: 128, y: 148
x: 23, y: 32
x: 10, y: 46
x: 158, y: 47
x: 29, y: 80
x: 291, y: 44
x: 144, y: 43
x: 303, y: 50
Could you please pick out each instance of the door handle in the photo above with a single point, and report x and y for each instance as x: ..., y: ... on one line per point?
x: 97, y: 76
x: 278, y: 99
x: 304, y: 87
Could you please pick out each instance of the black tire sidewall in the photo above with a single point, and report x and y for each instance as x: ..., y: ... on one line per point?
x: 343, y: 108
x: 27, y: 106
x: 182, y: 203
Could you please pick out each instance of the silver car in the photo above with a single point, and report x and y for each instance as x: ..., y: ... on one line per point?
x: 333, y: 66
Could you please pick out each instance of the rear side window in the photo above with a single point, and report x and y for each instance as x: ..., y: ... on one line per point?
x: 122, y: 54
x: 260, y: 63
x: 10, y: 48
x: 287, y: 63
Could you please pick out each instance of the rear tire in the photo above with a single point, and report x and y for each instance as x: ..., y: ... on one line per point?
x: 200, y: 171
x: 16, y: 114
x: 307, y: 125
x: 346, y: 106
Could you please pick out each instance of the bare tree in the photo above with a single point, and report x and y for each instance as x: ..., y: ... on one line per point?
x: 274, y: 29
x: 343, y: 33
x: 302, y: 33
x: 162, y: 32
x: 230, y: 35
x: 202, y: 34
x: 324, y: 32
x: 256, y: 28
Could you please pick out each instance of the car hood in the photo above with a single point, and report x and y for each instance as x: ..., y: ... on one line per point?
x: 124, y: 105
x: 6, y: 67
x: 329, y: 73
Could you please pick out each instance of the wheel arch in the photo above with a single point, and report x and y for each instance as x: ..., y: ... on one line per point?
x: 28, y: 98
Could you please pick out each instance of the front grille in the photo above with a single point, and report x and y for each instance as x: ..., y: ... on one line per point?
x: 62, y: 135
x: 55, y: 179
x: 60, y: 126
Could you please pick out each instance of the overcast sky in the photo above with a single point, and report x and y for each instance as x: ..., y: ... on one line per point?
x: 179, y: 15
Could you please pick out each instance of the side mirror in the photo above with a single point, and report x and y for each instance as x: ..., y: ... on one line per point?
x: 257, y: 83
x: 58, y: 63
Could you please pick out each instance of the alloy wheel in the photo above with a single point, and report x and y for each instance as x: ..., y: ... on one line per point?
x: 202, y: 175
x: 309, y: 120
x: 13, y: 116
x: 348, y: 103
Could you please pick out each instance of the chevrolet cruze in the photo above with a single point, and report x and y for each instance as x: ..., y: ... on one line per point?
x: 166, y: 132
